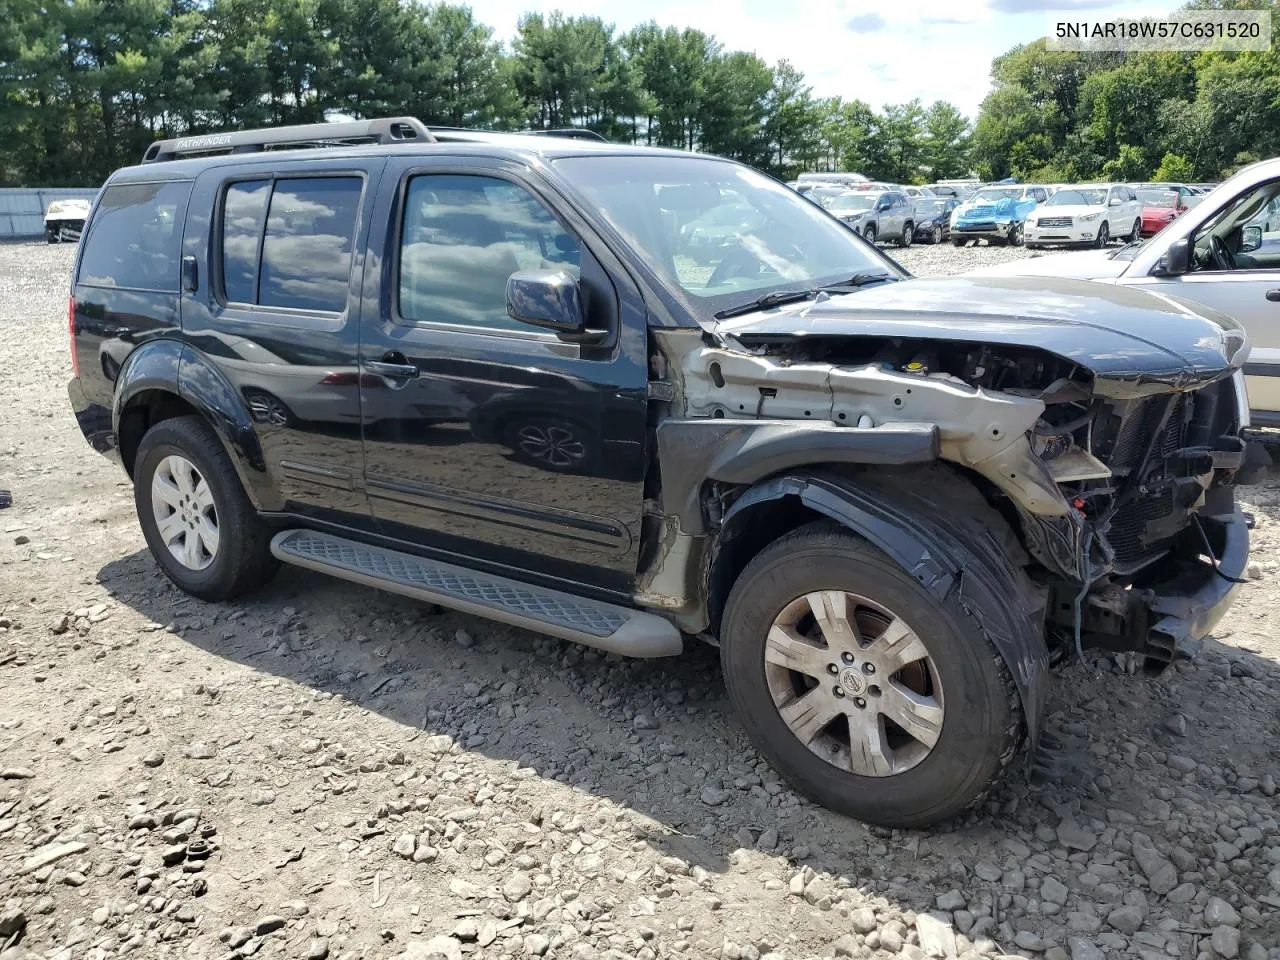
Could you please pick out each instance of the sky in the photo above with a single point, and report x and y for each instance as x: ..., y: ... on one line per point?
x: 873, y: 50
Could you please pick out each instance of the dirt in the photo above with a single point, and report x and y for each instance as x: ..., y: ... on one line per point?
x: 323, y: 770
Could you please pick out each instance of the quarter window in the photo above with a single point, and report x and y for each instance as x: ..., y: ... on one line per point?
x: 461, y: 239
x: 288, y: 243
x: 136, y: 236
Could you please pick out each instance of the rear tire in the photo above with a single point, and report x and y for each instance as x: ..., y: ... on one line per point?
x: 1136, y: 232
x: 189, y: 498
x: 908, y: 234
x: 960, y: 694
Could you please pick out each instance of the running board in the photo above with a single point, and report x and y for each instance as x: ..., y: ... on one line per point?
x: 627, y: 632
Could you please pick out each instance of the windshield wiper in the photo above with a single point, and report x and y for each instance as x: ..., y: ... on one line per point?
x: 862, y: 280
x: 764, y: 303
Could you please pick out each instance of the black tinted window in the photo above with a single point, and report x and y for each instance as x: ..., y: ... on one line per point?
x: 136, y: 236
x: 243, y: 211
x: 462, y: 237
x: 306, y: 252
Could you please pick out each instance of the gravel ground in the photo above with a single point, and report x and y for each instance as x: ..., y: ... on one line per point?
x: 323, y: 770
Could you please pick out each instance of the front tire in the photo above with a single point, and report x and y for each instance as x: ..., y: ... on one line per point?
x: 865, y: 692
x: 936, y: 237
x: 1014, y: 237
x: 869, y: 233
x: 195, y: 516
x: 958, y: 242
x: 1104, y: 235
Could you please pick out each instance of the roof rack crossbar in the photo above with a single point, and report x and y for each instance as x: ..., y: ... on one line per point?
x: 387, y: 130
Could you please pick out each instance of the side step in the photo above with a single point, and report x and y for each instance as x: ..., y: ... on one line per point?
x: 630, y: 633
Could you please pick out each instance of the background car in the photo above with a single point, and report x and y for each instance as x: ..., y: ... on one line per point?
x: 996, y: 213
x: 1160, y: 207
x: 933, y: 218
x: 64, y: 219
x: 887, y: 215
x: 1086, y: 214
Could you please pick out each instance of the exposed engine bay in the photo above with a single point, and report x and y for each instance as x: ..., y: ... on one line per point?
x: 1112, y: 485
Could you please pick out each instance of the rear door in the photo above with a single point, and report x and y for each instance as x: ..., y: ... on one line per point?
x: 279, y: 253
x: 494, y: 442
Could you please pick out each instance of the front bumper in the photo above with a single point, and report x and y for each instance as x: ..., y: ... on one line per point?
x: 1080, y: 233
x: 986, y: 229
x: 1184, y: 609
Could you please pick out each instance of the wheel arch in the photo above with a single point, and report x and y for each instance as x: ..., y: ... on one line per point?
x: 163, y: 379
x: 920, y: 528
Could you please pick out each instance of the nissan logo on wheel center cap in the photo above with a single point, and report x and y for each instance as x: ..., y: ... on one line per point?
x: 852, y: 681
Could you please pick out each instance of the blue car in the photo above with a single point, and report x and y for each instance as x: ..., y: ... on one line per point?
x: 996, y: 214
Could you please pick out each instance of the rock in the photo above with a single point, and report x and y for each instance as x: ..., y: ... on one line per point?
x: 174, y: 854
x: 199, y: 750
x: 1180, y: 764
x: 535, y: 944
x: 863, y: 919
x: 1082, y: 949
x: 1253, y: 570
x: 645, y: 721
x: 317, y: 948
x: 951, y: 900
x: 937, y: 939
x: 891, y: 939
x: 1075, y: 837
x: 50, y: 853
x: 153, y: 759
x: 467, y: 930
x: 1053, y: 890
x: 261, y: 798
x: 1217, y: 912
x: 269, y: 923
x: 17, y: 773
x: 846, y: 946
x: 1028, y: 940
x: 12, y: 921
x: 1160, y: 873
x: 1176, y: 724
x: 1126, y: 919
x: 294, y: 908
x: 437, y: 948
x: 1225, y: 941
x: 404, y: 845
x: 517, y: 887
x: 714, y: 796
x: 463, y: 639
x: 985, y: 870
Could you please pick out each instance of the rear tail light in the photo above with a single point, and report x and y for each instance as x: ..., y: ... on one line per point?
x: 71, y: 331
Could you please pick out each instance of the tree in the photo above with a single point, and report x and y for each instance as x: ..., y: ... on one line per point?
x: 1174, y: 169
x: 945, y: 145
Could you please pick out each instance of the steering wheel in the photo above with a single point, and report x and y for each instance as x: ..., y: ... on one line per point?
x: 1220, y: 256
x: 738, y: 262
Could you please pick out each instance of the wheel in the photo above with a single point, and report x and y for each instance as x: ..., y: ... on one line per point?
x: 869, y: 695
x: 553, y: 444
x: 908, y: 234
x: 869, y: 233
x: 936, y: 236
x: 1014, y: 237
x: 1136, y: 232
x: 52, y: 235
x: 200, y: 526
x: 1104, y: 235
x: 958, y: 241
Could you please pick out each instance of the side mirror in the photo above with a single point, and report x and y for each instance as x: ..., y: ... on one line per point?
x: 546, y: 298
x: 1114, y: 202
x: 1177, y: 259
x: 1250, y: 239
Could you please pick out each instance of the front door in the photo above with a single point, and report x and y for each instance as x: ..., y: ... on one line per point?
x: 498, y: 443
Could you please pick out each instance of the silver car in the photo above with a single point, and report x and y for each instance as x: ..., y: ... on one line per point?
x: 885, y: 215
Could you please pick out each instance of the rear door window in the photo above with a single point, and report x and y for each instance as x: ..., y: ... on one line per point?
x: 135, y: 239
x: 289, y: 242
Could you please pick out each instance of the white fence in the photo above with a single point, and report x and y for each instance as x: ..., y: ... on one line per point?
x: 22, y: 208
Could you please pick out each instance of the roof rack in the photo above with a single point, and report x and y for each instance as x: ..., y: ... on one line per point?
x: 387, y: 130
x: 572, y: 133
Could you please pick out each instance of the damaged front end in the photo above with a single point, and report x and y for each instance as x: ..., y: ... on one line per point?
x: 1116, y: 472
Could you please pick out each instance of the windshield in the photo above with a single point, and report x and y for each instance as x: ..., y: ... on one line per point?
x: 931, y: 207
x: 1089, y: 197
x: 1157, y: 198
x: 996, y: 194
x: 849, y: 202
x: 778, y: 241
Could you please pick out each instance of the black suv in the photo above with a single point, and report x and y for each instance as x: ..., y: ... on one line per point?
x: 482, y: 369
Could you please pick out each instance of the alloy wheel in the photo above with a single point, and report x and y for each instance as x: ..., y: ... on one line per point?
x: 854, y: 683
x: 185, y: 514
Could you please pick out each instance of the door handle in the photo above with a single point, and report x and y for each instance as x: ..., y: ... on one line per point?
x: 1274, y: 295
x: 393, y: 366
x: 190, y: 274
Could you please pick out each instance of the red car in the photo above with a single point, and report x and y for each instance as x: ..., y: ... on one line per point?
x: 1161, y: 206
